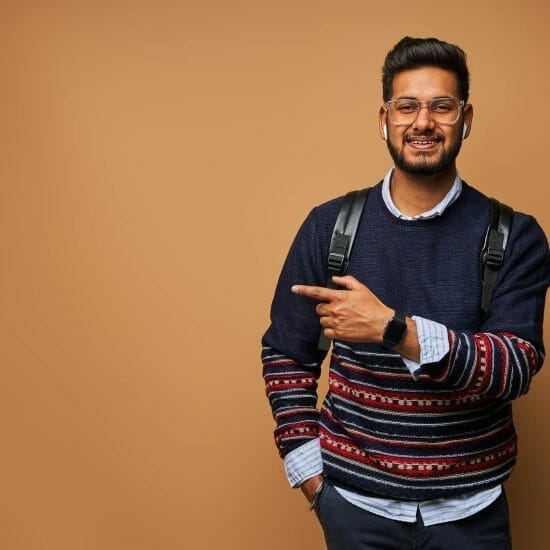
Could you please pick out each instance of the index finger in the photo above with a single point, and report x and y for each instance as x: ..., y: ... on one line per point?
x: 317, y: 292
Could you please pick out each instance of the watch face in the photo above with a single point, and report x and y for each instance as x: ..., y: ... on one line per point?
x: 395, y: 330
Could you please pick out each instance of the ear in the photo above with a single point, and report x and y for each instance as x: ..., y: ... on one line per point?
x: 468, y: 116
x: 383, y: 123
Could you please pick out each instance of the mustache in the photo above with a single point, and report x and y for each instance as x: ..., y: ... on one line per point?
x: 431, y: 137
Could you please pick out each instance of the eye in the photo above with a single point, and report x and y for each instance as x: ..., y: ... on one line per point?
x: 406, y: 107
x: 442, y: 106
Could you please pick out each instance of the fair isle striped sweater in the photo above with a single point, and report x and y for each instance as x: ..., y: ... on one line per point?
x: 382, y: 432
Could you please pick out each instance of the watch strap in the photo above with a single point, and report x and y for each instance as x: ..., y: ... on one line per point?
x: 395, y: 330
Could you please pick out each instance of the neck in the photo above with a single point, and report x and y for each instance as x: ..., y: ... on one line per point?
x: 414, y: 194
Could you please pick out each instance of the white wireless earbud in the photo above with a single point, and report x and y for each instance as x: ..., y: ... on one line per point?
x: 385, y: 131
x: 464, y: 131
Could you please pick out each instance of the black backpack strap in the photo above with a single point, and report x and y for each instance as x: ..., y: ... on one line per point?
x: 492, y: 254
x: 341, y: 243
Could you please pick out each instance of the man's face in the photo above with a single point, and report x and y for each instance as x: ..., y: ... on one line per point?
x: 425, y: 147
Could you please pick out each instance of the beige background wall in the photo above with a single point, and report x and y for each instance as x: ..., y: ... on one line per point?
x: 156, y: 160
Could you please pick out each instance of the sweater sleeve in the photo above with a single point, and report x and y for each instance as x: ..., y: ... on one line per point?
x: 500, y: 360
x: 291, y: 360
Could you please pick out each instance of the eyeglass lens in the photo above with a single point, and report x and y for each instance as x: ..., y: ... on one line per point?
x: 403, y: 111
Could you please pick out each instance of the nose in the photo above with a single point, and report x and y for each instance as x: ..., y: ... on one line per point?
x: 423, y: 120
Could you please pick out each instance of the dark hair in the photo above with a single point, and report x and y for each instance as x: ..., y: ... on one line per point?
x: 414, y: 53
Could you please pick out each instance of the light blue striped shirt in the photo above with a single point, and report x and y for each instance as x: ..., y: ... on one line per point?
x: 306, y: 462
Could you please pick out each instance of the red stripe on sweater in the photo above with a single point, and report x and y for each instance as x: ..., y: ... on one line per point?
x: 398, y: 401
x: 421, y: 468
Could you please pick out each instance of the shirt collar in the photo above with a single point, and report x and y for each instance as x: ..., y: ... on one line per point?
x: 437, y: 210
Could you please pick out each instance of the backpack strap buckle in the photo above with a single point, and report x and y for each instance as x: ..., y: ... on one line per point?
x: 338, y: 253
x: 494, y: 255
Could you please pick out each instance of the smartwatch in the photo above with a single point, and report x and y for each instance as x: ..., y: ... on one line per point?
x: 394, y: 331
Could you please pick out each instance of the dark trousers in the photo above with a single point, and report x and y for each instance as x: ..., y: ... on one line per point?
x: 348, y: 527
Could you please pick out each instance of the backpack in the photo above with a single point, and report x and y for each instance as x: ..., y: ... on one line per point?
x: 347, y: 222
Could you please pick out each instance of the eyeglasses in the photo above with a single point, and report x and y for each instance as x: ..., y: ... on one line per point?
x: 403, y: 112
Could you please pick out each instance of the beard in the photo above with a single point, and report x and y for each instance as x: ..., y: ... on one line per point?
x: 422, y: 165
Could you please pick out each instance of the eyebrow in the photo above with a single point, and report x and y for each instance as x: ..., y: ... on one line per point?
x: 416, y: 99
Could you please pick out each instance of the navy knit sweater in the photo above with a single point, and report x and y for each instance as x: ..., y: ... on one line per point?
x: 381, y: 431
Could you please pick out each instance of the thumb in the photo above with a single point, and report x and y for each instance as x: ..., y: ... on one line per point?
x: 348, y: 282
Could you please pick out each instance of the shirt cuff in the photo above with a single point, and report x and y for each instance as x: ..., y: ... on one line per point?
x: 304, y: 462
x: 433, y: 340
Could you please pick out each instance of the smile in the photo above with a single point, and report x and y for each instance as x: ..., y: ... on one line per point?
x: 424, y: 144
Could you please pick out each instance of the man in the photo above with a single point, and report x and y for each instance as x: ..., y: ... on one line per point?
x: 415, y: 435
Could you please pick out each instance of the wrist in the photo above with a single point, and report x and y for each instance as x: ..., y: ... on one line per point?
x: 315, y: 497
x: 410, y: 346
x: 311, y: 486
